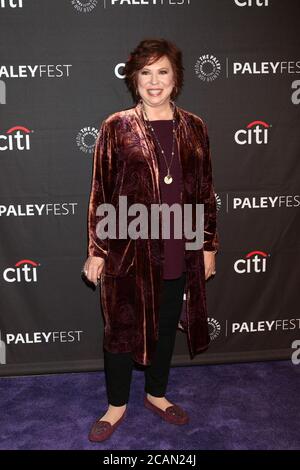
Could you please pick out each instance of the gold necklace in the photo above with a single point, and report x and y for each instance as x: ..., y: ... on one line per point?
x: 168, y: 178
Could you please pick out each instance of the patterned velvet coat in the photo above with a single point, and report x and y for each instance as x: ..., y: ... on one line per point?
x: 125, y: 163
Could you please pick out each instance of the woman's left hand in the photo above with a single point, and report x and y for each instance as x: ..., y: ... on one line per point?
x: 209, y: 263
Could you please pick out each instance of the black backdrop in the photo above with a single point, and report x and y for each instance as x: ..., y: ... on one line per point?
x: 60, y: 76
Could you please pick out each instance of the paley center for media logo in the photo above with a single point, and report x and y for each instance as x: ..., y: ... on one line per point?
x: 35, y: 71
x: 87, y: 6
x: 84, y: 6
x: 264, y: 67
x: 214, y: 328
x: 86, y: 139
x: 207, y: 68
x: 218, y: 202
x: 264, y: 202
x: 42, y: 209
x: 36, y: 337
x: 48, y: 71
x: 263, y: 326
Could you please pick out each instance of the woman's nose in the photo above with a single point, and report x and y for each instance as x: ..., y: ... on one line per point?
x: 153, y: 79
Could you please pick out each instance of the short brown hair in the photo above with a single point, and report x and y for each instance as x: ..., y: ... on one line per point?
x: 147, y: 52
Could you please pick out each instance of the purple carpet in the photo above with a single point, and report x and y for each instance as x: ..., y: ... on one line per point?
x: 232, y: 406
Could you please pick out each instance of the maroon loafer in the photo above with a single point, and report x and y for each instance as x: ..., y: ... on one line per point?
x: 173, y: 414
x: 102, y: 430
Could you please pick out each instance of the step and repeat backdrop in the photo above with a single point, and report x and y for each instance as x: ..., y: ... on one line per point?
x: 61, y: 74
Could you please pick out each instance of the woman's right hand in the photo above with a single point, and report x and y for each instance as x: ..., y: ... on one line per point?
x: 93, y: 268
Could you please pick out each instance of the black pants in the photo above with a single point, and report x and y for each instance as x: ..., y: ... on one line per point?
x: 118, y: 366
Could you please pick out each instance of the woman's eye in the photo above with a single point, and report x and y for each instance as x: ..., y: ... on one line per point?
x: 145, y: 72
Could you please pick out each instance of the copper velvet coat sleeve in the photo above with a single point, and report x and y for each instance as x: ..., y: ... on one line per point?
x: 211, y: 237
x: 103, y: 179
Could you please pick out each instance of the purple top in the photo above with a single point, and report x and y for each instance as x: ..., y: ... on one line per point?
x: 174, y: 264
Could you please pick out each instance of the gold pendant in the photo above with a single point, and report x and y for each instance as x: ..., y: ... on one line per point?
x: 168, y: 179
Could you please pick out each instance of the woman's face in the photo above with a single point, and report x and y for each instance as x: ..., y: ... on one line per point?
x: 155, y: 82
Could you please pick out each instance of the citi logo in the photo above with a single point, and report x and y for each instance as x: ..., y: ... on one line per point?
x: 16, y: 138
x: 11, y: 3
x: 23, y: 271
x: 257, y: 132
x: 252, y: 3
x: 254, y: 262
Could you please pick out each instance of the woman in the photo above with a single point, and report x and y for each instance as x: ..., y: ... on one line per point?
x: 152, y: 153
